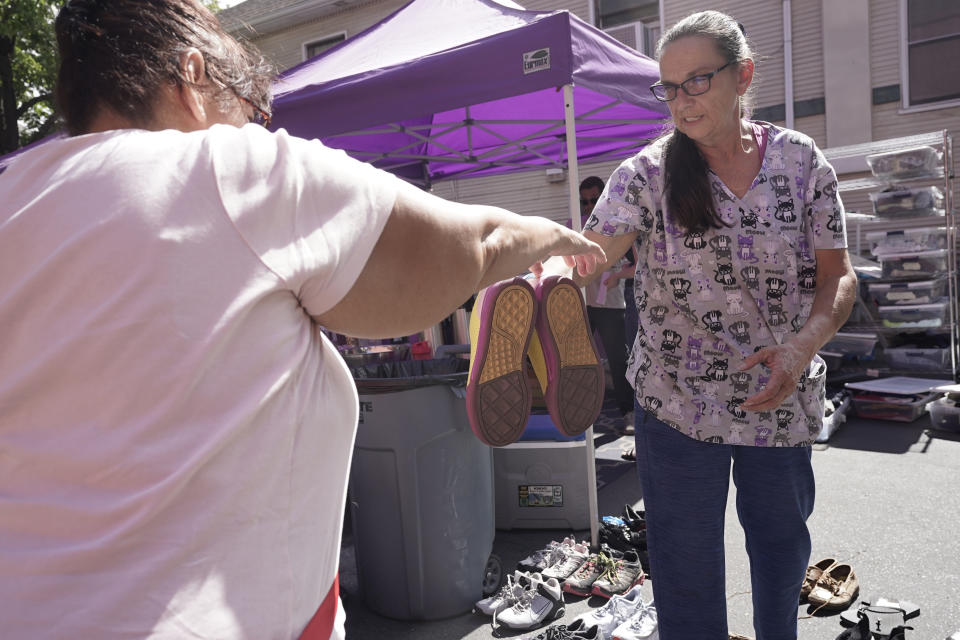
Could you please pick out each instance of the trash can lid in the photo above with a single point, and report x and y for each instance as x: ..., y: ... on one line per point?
x: 386, y: 377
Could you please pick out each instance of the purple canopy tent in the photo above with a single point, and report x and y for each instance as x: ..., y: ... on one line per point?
x: 445, y: 89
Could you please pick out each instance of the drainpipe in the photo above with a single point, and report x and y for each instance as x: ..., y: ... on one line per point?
x: 663, y: 20
x: 788, y: 64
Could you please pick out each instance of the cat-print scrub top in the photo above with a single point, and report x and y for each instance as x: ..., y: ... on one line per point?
x: 708, y: 300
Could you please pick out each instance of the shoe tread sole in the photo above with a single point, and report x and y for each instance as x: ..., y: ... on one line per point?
x: 575, y: 393
x: 512, y: 327
x: 499, y: 400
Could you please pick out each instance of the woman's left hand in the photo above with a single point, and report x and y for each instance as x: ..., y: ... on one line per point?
x: 786, y: 362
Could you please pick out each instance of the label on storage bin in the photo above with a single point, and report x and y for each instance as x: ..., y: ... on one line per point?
x: 540, y: 495
x: 911, y: 266
x: 901, y: 295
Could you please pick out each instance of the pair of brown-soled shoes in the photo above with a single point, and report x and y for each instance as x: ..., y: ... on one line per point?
x: 830, y: 585
x: 545, y: 321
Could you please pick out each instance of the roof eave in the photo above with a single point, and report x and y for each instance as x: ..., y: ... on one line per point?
x: 274, y: 21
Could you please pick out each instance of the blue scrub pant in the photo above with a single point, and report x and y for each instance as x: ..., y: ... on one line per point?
x: 685, y: 484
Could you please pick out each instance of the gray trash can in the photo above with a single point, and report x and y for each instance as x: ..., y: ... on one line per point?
x: 421, y: 492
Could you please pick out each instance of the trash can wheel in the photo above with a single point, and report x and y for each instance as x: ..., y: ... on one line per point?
x: 492, y: 575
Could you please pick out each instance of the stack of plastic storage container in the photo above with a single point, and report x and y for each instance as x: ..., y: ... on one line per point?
x: 945, y: 410
x: 911, y: 299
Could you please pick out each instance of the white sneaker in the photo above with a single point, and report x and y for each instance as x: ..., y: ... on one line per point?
x: 569, y: 560
x: 615, y: 612
x: 510, y: 591
x: 541, y: 602
x: 641, y: 626
x: 543, y: 558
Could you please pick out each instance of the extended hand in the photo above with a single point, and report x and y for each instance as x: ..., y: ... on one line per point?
x: 577, y: 252
x: 786, y: 363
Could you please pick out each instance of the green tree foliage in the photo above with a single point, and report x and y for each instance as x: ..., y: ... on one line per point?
x: 28, y: 70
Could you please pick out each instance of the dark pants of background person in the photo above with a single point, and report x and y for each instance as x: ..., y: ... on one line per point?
x: 608, y: 323
x: 685, y: 484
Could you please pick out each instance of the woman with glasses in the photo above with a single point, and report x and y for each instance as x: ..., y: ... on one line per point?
x: 742, y: 276
x: 175, y: 430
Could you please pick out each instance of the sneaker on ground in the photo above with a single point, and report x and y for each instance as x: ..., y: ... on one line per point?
x: 622, y: 537
x: 625, y: 573
x: 541, y: 559
x: 642, y: 625
x: 541, y: 602
x: 576, y: 630
x: 569, y: 560
x: 615, y: 612
x: 628, y: 427
x: 580, y: 583
x: 634, y: 519
x: 510, y: 591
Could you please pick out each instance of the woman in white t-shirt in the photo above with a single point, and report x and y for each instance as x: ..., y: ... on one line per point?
x: 175, y: 429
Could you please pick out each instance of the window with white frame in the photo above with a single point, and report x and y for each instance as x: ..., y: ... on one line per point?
x: 316, y: 47
x: 931, y: 38
x: 635, y: 23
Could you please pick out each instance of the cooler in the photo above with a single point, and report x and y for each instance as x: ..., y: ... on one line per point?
x: 540, y: 481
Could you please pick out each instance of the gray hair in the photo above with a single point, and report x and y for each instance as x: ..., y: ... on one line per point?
x: 728, y: 34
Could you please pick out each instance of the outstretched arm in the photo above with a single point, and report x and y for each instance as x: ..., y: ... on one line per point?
x: 434, y: 254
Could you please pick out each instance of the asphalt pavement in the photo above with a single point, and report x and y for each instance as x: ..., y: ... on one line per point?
x: 888, y: 503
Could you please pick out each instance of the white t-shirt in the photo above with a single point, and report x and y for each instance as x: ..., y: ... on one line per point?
x: 598, y: 295
x: 175, y: 430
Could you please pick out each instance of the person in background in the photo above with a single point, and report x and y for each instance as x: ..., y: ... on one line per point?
x: 176, y: 430
x: 605, y: 308
x: 742, y: 276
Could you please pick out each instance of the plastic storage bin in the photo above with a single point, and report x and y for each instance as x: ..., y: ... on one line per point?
x: 914, y: 316
x: 909, y: 240
x: 906, y: 163
x: 944, y: 414
x: 421, y: 499
x: 890, y: 407
x: 542, y: 483
x: 916, y: 266
x: 908, y: 201
x: 901, y: 293
x: 852, y: 344
x: 832, y: 359
x: 919, y: 359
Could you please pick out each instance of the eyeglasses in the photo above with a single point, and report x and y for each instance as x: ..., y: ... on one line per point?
x: 260, y: 116
x: 665, y: 92
x: 585, y: 201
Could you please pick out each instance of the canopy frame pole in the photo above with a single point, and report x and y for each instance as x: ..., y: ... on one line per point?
x: 467, y: 122
x: 573, y: 184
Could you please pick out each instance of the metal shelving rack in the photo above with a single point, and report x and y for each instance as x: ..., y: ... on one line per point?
x: 851, y: 160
